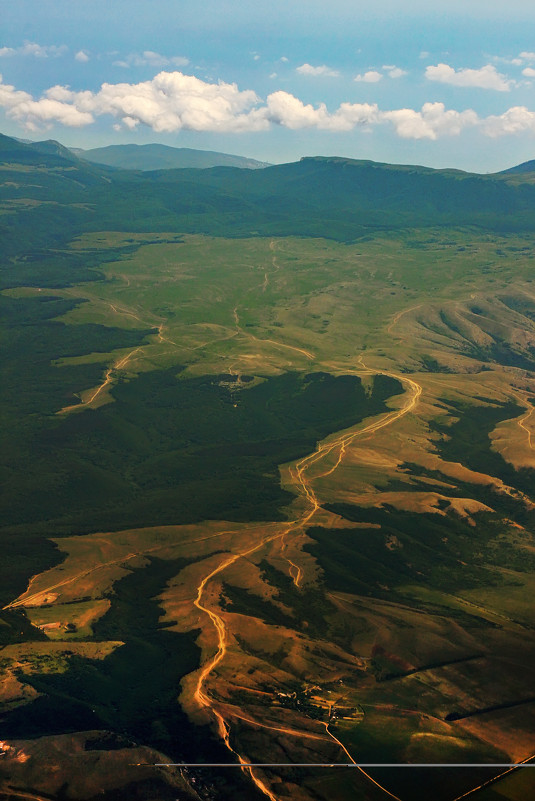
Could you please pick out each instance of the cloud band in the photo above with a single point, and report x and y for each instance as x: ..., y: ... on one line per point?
x: 172, y: 101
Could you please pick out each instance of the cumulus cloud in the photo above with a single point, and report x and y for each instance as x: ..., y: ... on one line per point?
x: 149, y: 58
x: 172, y: 101
x: 34, y: 49
x: 169, y: 102
x: 32, y: 113
x: 396, y: 72
x: 82, y: 56
x: 323, y: 70
x: 372, y: 76
x: 350, y: 115
x: 517, y: 119
x: 486, y: 77
x: 432, y: 122
x: 529, y: 72
x: 283, y: 108
x: 525, y: 57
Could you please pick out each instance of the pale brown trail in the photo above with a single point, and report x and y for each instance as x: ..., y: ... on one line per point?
x: 494, y: 779
x: 25, y: 599
x: 306, y: 489
x: 277, y: 344
x: 108, y: 379
x: 364, y: 773
x: 524, y: 420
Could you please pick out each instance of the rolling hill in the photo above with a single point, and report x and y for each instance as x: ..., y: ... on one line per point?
x: 163, y: 157
x: 526, y: 166
x: 339, y: 198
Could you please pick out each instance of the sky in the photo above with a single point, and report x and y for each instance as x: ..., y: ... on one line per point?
x: 444, y: 84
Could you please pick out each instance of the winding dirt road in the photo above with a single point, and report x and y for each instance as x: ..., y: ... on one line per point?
x: 495, y: 779
x: 277, y: 344
x: 305, y: 488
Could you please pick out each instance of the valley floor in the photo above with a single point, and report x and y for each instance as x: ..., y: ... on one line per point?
x: 287, y: 518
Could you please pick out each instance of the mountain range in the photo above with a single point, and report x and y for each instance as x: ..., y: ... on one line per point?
x: 162, y: 157
x: 337, y: 198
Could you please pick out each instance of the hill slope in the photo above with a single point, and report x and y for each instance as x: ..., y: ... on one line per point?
x: 162, y: 157
x: 526, y: 166
x: 336, y: 198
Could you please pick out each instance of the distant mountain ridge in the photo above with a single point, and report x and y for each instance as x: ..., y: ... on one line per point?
x: 161, y: 157
x: 154, y: 156
x: 333, y: 197
x: 53, y: 148
x: 526, y: 166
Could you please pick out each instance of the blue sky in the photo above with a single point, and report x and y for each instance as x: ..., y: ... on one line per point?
x: 446, y: 84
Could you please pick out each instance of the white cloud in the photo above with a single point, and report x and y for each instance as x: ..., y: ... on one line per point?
x: 523, y: 58
x: 372, y: 76
x: 486, y: 77
x: 397, y: 72
x: 283, y: 58
x: 11, y: 97
x: 517, y: 119
x: 32, y: 113
x: 273, y: 75
x: 432, y: 122
x: 149, y: 58
x: 323, y: 70
x: 529, y: 72
x: 393, y: 71
x: 284, y: 109
x: 169, y: 102
x: 349, y: 115
x: 82, y: 57
x: 172, y: 101
x: 34, y: 49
